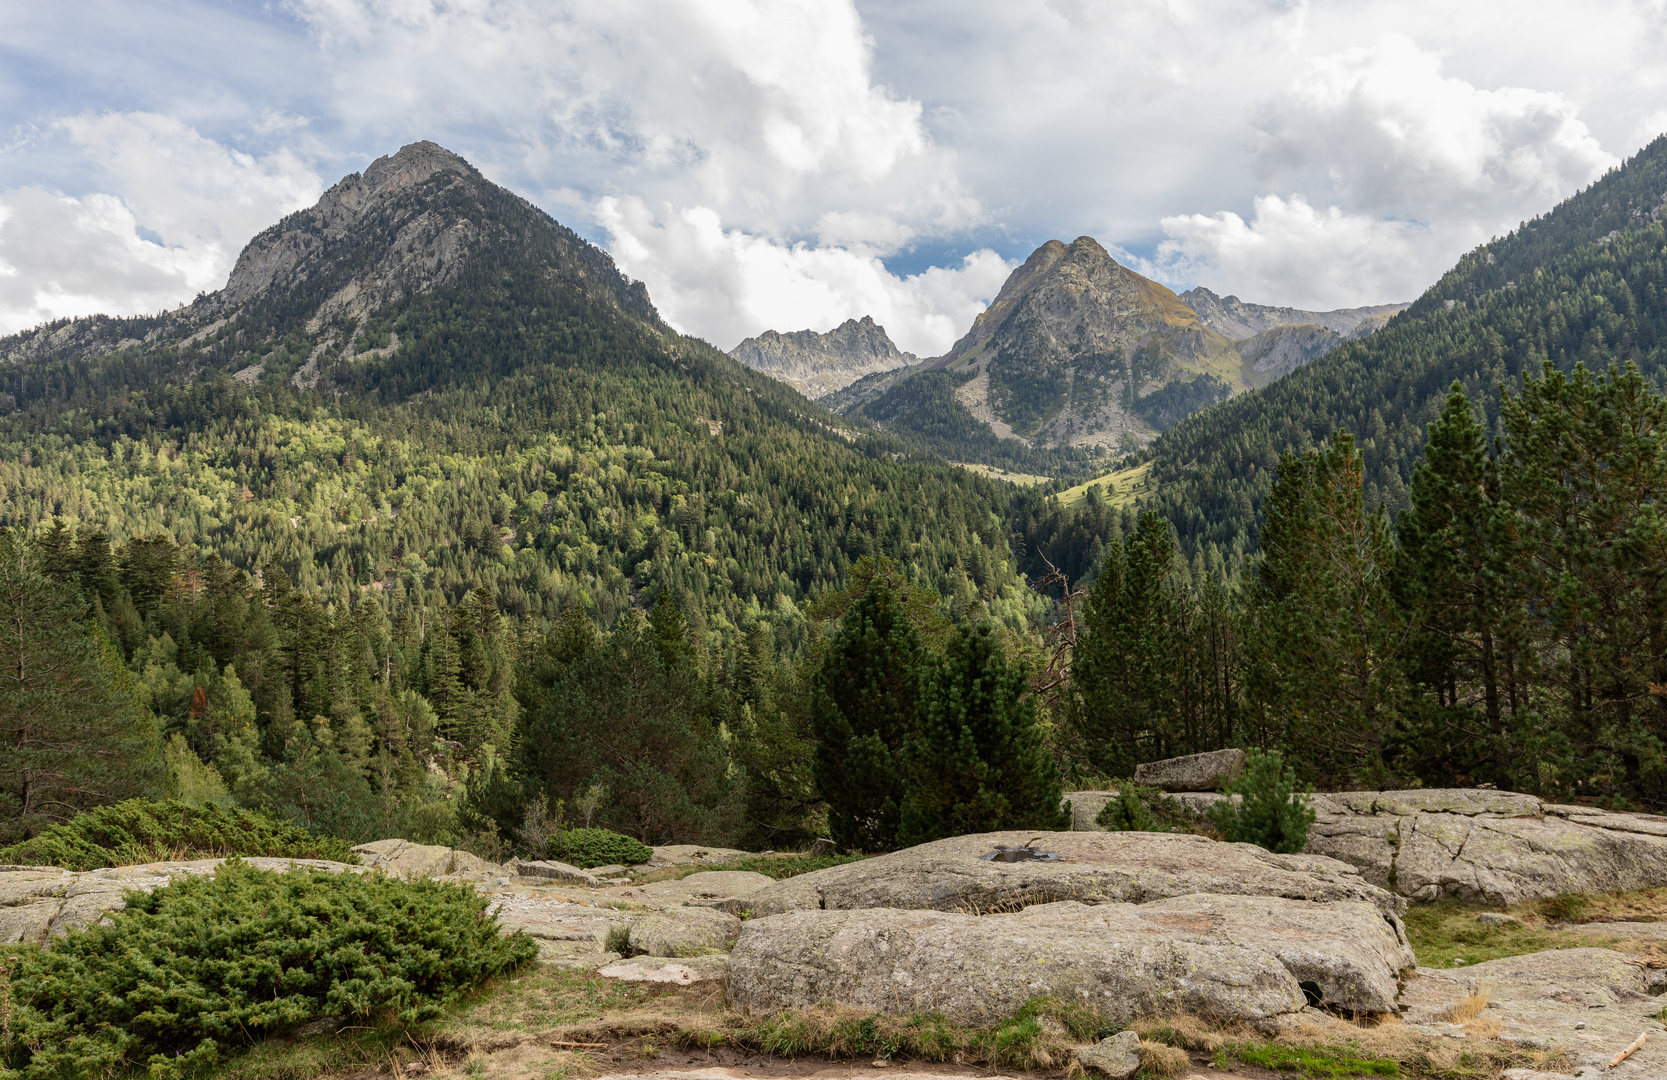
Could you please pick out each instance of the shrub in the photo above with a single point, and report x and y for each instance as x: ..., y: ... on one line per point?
x: 786, y: 866
x: 586, y: 848
x: 1272, y: 813
x: 210, y: 962
x: 1127, y: 812
x: 140, y: 831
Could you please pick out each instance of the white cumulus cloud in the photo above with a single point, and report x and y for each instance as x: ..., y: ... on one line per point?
x: 178, y: 209
x: 726, y: 284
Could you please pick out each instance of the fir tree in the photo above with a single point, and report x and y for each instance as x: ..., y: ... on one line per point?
x: 74, y: 731
x: 862, y: 710
x: 978, y: 762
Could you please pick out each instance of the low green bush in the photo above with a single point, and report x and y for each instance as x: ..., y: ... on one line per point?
x: 141, y: 831
x: 210, y: 963
x: 1272, y: 813
x: 586, y: 848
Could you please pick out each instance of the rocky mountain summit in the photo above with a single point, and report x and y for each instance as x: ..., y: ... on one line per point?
x: 1078, y: 350
x: 818, y: 364
x: 412, y: 222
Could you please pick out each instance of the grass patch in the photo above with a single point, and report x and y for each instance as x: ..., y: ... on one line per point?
x: 1445, y: 934
x: 1327, y: 1063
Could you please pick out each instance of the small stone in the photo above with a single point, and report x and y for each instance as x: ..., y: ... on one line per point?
x: 822, y: 849
x: 1118, y: 1057
x: 1494, y: 918
x: 656, y: 969
x: 1580, y: 1025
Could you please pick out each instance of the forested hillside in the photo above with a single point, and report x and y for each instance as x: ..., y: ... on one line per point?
x: 323, y: 520
x: 1587, y: 281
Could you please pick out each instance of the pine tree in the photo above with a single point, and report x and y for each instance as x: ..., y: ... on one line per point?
x: 1326, y: 635
x: 1455, y: 560
x: 862, y: 710
x: 978, y: 762
x: 74, y: 731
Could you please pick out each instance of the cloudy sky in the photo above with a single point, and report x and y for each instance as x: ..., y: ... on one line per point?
x: 793, y: 163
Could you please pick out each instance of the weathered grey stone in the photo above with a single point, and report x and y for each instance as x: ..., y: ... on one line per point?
x: 402, y: 858
x: 684, y: 931
x: 680, y: 854
x: 952, y: 874
x: 1590, y: 1002
x: 982, y: 969
x: 550, y: 870
x: 707, y: 887
x: 1494, y: 918
x: 658, y: 969
x: 1496, y: 847
x: 1085, y: 807
x: 1118, y: 1057
x: 1195, y: 772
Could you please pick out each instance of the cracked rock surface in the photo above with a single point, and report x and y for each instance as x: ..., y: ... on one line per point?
x: 1493, y: 847
x: 1095, y: 867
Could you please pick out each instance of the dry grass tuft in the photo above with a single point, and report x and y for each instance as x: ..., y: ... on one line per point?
x: 1160, y: 1059
x: 1471, y: 1007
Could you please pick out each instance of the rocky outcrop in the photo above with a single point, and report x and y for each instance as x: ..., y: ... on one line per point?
x: 1194, y: 772
x: 658, y: 969
x: 1495, y: 847
x: 684, y: 932
x: 1281, y: 350
x: 551, y: 870
x: 1237, y: 320
x: 1003, y: 871
x: 1225, y: 957
x: 402, y: 858
x: 1591, y: 1003
x: 819, y: 364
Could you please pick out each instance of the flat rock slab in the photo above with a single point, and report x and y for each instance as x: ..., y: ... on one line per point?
x: 683, y: 854
x: 1194, y: 772
x: 1095, y: 867
x: 1589, y: 1002
x: 708, y: 887
x: 979, y: 970
x: 551, y: 870
x: 1494, y: 847
x: 659, y: 969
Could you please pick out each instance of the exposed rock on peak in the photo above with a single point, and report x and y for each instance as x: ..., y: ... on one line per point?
x: 818, y: 364
x: 1236, y: 319
x: 411, y: 222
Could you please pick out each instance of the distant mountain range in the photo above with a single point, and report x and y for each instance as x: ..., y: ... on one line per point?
x: 1075, y: 351
x: 818, y: 364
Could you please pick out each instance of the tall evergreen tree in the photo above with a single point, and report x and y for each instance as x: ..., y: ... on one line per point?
x: 1326, y: 636
x: 863, y: 708
x: 1455, y: 562
x: 978, y: 762
x: 74, y: 731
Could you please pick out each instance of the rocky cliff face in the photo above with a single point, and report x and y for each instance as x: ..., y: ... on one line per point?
x: 1282, y: 349
x: 410, y: 223
x: 818, y: 364
x: 1074, y: 342
x: 1232, y: 317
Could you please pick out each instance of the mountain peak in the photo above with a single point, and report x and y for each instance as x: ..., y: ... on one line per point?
x: 819, y: 364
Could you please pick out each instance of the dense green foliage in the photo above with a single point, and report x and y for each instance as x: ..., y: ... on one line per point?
x: 1588, y: 281
x: 74, y: 731
x: 864, y: 706
x: 206, y: 964
x: 1127, y: 812
x: 1271, y: 811
x: 140, y: 831
x: 586, y: 848
x: 977, y: 762
x: 924, y: 410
